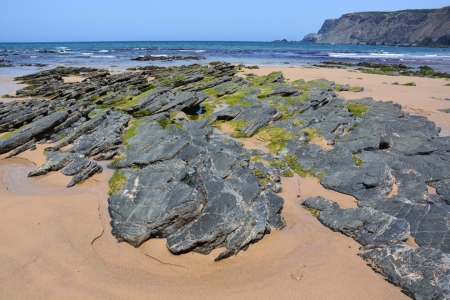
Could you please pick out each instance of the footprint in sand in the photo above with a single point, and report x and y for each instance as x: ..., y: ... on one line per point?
x: 297, y: 274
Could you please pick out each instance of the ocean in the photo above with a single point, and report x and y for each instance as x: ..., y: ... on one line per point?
x: 119, y: 54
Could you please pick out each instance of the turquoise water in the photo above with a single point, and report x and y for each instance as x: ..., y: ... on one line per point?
x: 107, y: 54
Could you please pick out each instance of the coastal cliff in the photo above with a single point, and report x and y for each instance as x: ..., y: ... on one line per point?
x: 426, y: 27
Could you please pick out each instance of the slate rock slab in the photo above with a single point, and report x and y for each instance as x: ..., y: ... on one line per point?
x: 55, y: 161
x: 367, y: 226
x: 424, y: 273
x: 430, y: 223
x: 258, y: 116
x: 154, y: 203
x: 159, y: 146
x: 362, y: 182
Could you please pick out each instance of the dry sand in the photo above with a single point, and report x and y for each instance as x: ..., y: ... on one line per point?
x: 70, y: 79
x: 56, y: 242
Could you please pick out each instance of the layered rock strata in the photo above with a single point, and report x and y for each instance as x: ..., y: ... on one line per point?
x: 420, y: 27
x: 178, y: 178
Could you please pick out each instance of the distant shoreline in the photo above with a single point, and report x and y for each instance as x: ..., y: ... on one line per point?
x: 109, y: 54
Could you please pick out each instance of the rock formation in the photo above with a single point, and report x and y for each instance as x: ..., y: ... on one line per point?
x: 426, y: 27
x: 422, y: 272
x: 178, y: 178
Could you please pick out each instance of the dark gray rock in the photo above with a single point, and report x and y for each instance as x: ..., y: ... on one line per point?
x: 258, y: 116
x: 423, y: 273
x: 443, y: 189
x: 430, y: 223
x: 226, y: 114
x: 285, y: 91
x: 34, y: 130
x: 190, y: 79
x: 367, y: 226
x: 232, y: 208
x: 159, y: 146
x: 201, y: 87
x: 55, y: 161
x: 236, y: 215
x: 182, y: 101
x: 87, y: 127
x: 106, y: 137
x: 363, y: 182
x: 21, y: 149
x: 278, y: 79
x: 90, y: 169
x: 154, y: 203
x: 76, y: 166
x: 223, y: 161
x: 144, y: 101
x: 218, y: 219
x: 313, y: 157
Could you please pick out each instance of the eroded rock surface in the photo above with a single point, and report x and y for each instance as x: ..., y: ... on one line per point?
x: 424, y: 273
x: 178, y: 178
x: 430, y: 223
x: 199, y: 194
x: 367, y: 226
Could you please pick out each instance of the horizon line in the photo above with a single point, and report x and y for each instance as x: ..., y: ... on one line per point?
x: 143, y: 41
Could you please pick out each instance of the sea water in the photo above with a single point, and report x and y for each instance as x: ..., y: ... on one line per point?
x: 119, y: 54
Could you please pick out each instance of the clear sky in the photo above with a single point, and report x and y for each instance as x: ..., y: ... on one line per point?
x: 178, y: 20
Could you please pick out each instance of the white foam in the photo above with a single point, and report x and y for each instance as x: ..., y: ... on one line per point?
x: 103, y: 51
x: 196, y: 51
x: 33, y: 56
x: 104, y: 56
x: 87, y: 53
x: 159, y: 55
x: 387, y: 54
x: 342, y: 54
x: 381, y: 55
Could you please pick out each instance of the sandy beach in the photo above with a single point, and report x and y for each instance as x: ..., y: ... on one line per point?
x: 57, y: 242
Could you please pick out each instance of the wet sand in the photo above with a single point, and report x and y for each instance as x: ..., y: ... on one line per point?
x: 56, y: 243
x: 9, y: 86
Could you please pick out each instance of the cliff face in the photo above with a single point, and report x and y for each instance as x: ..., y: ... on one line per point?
x: 430, y: 28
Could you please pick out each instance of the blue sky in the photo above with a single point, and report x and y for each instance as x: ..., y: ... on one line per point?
x: 169, y: 20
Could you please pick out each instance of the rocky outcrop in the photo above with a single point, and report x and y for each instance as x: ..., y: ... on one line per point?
x: 430, y: 223
x: 69, y: 116
x: 427, y: 27
x: 198, y: 194
x: 367, y: 226
x: 424, y: 273
x: 178, y: 178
